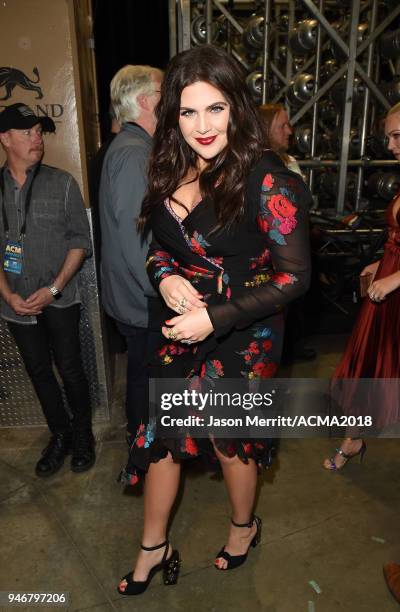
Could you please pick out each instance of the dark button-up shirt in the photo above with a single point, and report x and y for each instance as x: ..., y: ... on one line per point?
x: 56, y: 223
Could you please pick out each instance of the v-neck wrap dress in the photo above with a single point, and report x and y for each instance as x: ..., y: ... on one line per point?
x: 247, y: 275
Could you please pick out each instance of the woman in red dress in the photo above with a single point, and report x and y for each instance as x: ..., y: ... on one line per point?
x: 373, y: 348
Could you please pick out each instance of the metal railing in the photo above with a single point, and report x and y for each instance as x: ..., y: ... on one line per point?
x: 349, y: 36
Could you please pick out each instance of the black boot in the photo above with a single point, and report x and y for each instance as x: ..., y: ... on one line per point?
x: 83, y: 455
x: 54, y: 454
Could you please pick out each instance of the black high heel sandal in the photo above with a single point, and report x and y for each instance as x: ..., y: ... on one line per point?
x: 169, y: 567
x: 237, y: 560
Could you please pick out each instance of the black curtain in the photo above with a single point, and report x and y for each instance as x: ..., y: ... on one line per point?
x: 127, y: 32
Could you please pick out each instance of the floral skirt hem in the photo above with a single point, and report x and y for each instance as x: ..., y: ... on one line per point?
x: 140, y: 457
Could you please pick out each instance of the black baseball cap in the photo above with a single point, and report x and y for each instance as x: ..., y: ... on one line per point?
x: 20, y: 117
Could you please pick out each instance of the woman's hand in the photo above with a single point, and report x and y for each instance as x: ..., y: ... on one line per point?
x: 191, y: 327
x: 379, y: 289
x: 370, y: 269
x: 180, y: 295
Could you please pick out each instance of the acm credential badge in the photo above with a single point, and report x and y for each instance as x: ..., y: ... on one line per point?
x: 13, y: 257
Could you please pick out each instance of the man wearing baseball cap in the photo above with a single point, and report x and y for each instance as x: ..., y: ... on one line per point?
x: 44, y: 237
x: 20, y: 117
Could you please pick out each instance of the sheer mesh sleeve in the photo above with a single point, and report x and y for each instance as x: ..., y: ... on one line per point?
x: 160, y: 263
x: 282, y: 218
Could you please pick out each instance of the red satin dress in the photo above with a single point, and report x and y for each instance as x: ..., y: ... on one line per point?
x: 372, y: 351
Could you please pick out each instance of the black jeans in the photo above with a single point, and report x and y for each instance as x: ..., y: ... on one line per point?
x: 58, y: 329
x: 141, y: 343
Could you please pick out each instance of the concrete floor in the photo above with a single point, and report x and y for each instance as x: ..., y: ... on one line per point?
x: 79, y: 533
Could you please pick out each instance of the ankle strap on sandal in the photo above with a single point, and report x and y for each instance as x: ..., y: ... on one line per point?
x: 150, y: 548
x: 343, y: 454
x: 249, y: 524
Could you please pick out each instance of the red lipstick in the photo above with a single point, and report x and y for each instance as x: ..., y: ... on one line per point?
x: 206, y: 141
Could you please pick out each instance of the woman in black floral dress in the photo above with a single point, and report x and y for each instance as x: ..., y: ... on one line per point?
x: 229, y: 251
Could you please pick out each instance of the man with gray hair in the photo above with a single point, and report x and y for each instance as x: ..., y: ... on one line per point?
x: 135, y: 92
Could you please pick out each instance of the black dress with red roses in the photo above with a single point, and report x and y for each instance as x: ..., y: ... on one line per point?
x: 247, y: 275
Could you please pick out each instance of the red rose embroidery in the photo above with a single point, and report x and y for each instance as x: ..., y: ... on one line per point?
x: 262, y: 260
x: 282, y: 278
x: 267, y: 345
x: 281, y: 207
x: 196, y: 247
x: 287, y: 225
x: 264, y: 370
x: 262, y: 224
x: 269, y: 370
x: 176, y: 349
x: 133, y: 479
x: 247, y: 448
x: 268, y: 181
x: 258, y: 368
x: 247, y: 357
x: 190, y: 446
x: 140, y: 441
x: 253, y: 348
x: 203, y: 371
x: 218, y: 366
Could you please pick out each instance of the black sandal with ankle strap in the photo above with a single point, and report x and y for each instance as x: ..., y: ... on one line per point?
x: 169, y: 567
x: 234, y: 561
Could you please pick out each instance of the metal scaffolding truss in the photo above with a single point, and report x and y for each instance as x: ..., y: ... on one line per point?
x: 317, y: 58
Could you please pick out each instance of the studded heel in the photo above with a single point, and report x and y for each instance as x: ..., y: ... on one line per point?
x: 169, y: 567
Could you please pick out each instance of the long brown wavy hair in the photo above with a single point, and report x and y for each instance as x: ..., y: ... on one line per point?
x: 223, y: 179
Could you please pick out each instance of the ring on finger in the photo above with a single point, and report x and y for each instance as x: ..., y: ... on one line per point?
x: 182, y: 302
x: 181, y: 310
x: 171, y: 335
